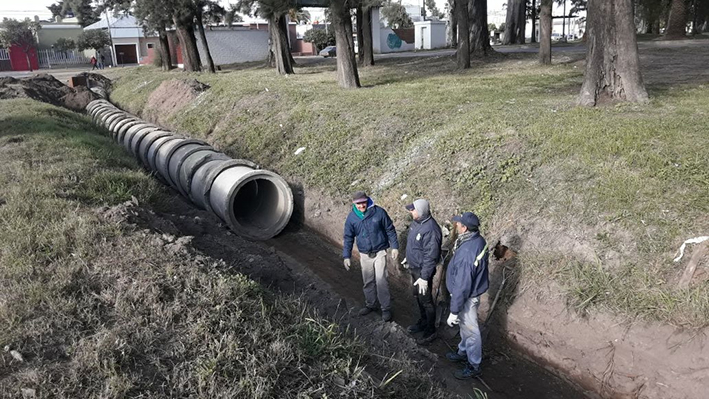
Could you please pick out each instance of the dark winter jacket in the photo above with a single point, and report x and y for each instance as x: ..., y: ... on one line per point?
x: 374, y: 233
x: 467, y: 274
x: 423, y: 246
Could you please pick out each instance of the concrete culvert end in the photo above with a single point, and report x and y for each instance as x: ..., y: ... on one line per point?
x: 254, y: 203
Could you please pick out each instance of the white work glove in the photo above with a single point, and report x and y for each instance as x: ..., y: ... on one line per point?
x: 452, y: 320
x: 405, y: 263
x: 423, y: 285
x: 347, y: 263
x: 395, y: 254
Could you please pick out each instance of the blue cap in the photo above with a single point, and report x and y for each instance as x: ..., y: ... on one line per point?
x: 468, y: 219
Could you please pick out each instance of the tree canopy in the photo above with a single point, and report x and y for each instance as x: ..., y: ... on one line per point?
x: 396, y: 15
x: 20, y: 33
x: 93, y: 39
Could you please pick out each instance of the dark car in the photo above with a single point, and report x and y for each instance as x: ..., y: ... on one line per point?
x: 329, y: 51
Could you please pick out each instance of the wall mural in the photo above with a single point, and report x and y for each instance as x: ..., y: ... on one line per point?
x: 393, y: 41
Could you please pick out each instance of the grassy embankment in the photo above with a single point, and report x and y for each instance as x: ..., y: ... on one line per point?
x: 99, y: 309
x: 603, y: 197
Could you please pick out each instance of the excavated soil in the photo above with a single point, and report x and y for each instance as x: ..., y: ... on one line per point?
x: 171, y: 96
x: 44, y: 87
x: 299, y: 261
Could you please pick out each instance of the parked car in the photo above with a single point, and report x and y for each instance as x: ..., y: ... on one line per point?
x: 329, y: 51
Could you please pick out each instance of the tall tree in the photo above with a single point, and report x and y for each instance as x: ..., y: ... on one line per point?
x: 432, y: 8
x: 275, y: 12
x: 395, y: 14
x: 534, y: 21
x: 515, y: 22
x: 462, y: 55
x: 365, y: 48
x: 545, y: 32
x: 479, y: 28
x: 347, y: 75
x: 84, y: 10
x: 677, y: 21
x: 612, y: 63
x: 199, y: 10
x: 452, y: 31
x: 21, y: 34
x: 155, y: 16
x: 96, y: 39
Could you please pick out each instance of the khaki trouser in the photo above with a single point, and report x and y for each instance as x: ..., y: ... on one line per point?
x: 374, y: 276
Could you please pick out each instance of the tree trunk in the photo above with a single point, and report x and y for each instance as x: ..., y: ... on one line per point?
x: 367, y: 43
x: 279, y: 42
x: 545, y: 32
x: 514, y: 24
x: 360, y: 48
x: 165, y: 57
x: 612, y: 63
x: 205, y: 45
x: 453, y: 25
x: 479, y: 32
x: 284, y: 28
x: 677, y: 21
x: 347, y: 75
x: 463, y: 54
x: 534, y: 21
x: 188, y: 44
x: 29, y: 63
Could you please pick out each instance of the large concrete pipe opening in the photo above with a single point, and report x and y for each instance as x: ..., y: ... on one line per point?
x: 254, y: 203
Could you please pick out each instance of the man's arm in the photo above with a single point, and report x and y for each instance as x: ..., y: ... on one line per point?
x: 431, y: 253
x: 391, y: 231
x: 462, y: 291
x: 348, y: 240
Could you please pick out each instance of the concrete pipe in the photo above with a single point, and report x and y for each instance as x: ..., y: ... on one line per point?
x: 179, y: 157
x: 110, y: 117
x: 123, y: 127
x: 112, y: 124
x: 96, y: 118
x: 103, y: 115
x: 254, y: 203
x: 93, y: 104
x: 205, y: 176
x: 137, y: 138
x: 147, y: 141
x: 125, y: 140
x: 155, y: 147
x: 165, y: 153
x: 192, y: 164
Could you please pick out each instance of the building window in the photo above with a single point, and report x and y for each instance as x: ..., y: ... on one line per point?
x: 150, y: 45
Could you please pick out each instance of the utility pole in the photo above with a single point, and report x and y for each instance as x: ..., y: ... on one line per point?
x: 110, y: 37
x: 563, y: 24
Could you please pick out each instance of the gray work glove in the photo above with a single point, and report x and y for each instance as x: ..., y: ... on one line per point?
x: 452, y: 320
x: 423, y: 286
x: 405, y: 263
x: 347, y: 263
x: 395, y: 254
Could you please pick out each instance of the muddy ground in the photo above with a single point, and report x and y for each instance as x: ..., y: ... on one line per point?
x: 301, y: 262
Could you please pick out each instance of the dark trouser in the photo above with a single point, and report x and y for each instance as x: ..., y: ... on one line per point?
x: 425, y: 303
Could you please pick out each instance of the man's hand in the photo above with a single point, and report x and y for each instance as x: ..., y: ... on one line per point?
x: 423, y: 285
x: 395, y: 254
x: 347, y: 264
x: 452, y: 320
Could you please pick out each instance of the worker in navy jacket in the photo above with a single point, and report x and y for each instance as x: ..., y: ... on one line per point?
x: 374, y: 232
x: 467, y: 279
x: 423, y: 252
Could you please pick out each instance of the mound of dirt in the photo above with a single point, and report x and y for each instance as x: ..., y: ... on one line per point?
x: 46, y: 88
x: 170, y: 97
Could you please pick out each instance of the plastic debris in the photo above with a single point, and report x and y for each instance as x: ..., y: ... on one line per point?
x: 299, y: 150
x: 695, y: 240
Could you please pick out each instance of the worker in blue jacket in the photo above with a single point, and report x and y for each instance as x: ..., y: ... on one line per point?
x: 374, y: 231
x: 467, y: 279
x: 423, y: 252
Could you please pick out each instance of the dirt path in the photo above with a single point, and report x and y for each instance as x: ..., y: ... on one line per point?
x: 300, y: 262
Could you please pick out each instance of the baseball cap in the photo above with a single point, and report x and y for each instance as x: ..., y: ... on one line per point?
x: 359, y: 196
x: 467, y: 219
x: 410, y: 207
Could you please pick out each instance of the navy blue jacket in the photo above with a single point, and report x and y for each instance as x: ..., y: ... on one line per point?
x: 463, y: 278
x: 374, y: 233
x: 423, y: 246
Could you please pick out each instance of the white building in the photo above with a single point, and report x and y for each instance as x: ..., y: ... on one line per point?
x: 130, y: 44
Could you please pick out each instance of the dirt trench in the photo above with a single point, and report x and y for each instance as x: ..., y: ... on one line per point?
x: 301, y: 262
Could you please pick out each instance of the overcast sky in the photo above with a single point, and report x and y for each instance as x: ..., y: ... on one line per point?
x: 21, y: 9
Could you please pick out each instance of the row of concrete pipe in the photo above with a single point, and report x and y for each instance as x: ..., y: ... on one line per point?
x: 253, y: 202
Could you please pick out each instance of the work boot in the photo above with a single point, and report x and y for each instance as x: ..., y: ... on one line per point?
x: 366, y: 310
x: 415, y: 328
x: 427, y: 338
x: 386, y: 315
x: 468, y: 372
x: 456, y: 357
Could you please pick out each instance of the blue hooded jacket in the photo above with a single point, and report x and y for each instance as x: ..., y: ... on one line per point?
x: 423, y: 246
x: 467, y: 274
x: 374, y: 232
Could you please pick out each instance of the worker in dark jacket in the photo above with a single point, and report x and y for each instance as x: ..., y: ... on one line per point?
x: 467, y: 279
x: 375, y: 233
x: 423, y: 251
